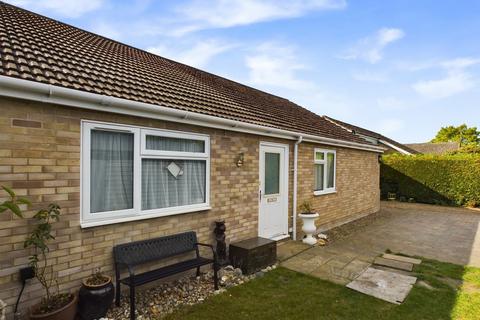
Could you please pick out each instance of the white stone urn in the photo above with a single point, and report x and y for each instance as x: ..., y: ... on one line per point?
x: 309, y: 227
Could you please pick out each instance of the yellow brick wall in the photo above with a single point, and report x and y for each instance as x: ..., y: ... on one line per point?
x: 40, y: 159
x: 357, y: 185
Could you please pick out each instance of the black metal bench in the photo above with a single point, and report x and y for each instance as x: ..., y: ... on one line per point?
x: 130, y: 255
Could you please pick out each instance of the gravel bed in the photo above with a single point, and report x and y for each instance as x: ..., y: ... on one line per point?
x: 156, y: 302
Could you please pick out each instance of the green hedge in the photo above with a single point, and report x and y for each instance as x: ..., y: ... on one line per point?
x: 445, y: 179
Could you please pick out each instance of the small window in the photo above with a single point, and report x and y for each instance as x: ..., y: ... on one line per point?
x: 131, y: 173
x: 174, y: 144
x: 272, y: 173
x: 324, y: 171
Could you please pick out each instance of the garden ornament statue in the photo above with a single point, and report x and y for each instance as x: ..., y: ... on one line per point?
x: 221, y: 245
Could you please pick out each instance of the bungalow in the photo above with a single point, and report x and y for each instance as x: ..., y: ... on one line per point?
x: 133, y: 146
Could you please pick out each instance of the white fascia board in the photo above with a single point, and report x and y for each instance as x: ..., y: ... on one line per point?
x: 337, y: 124
x: 46, y: 93
x: 402, y: 151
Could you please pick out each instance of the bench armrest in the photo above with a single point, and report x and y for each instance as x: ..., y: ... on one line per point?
x: 209, y: 246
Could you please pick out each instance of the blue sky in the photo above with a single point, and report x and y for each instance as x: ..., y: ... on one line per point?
x: 403, y: 68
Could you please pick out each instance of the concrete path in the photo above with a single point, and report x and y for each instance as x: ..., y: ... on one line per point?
x: 441, y: 233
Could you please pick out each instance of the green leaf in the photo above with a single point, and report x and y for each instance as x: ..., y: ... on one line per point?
x: 9, y: 191
x: 24, y: 201
x: 14, y: 208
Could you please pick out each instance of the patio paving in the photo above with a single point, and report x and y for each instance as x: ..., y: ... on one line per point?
x: 442, y: 233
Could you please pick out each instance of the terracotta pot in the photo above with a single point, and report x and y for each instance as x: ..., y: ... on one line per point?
x: 68, y: 312
x: 94, y: 300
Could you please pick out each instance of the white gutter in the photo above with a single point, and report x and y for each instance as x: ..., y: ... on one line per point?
x: 395, y: 147
x: 31, y: 90
x: 295, y: 174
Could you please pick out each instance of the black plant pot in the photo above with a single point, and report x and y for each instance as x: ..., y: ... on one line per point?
x: 94, y: 300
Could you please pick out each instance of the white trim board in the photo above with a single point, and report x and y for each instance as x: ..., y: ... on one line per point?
x: 46, y: 93
x: 395, y: 147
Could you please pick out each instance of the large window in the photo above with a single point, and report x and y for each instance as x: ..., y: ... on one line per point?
x: 131, y: 173
x: 324, y: 171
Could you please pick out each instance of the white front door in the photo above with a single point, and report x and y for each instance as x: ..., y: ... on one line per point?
x: 273, y: 193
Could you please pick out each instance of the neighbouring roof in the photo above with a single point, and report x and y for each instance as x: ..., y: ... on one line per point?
x: 377, y: 136
x: 434, y: 148
x: 40, y: 49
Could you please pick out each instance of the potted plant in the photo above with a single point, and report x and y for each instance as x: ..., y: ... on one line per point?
x: 95, y: 296
x: 55, y: 305
x: 12, y: 204
x: 308, y: 217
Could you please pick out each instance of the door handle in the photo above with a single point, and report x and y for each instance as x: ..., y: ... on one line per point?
x: 260, y: 195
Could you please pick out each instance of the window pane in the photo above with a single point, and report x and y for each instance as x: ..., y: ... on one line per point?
x: 111, y: 173
x: 330, y: 170
x: 272, y: 173
x: 319, y: 171
x: 174, y: 144
x: 171, y: 183
x: 319, y: 156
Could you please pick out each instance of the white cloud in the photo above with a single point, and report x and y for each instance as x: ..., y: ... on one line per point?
x: 199, y: 55
x: 276, y: 65
x: 456, y: 80
x: 459, y: 63
x: 199, y: 15
x: 369, y: 76
x: 106, y: 30
x: 371, y: 48
x: 452, y: 84
x: 64, y: 8
x: 389, y: 126
x: 390, y: 103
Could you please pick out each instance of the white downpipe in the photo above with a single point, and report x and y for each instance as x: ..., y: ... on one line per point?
x: 295, y: 175
x: 36, y: 91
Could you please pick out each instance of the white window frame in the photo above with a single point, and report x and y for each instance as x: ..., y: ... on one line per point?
x: 325, y: 173
x: 90, y: 219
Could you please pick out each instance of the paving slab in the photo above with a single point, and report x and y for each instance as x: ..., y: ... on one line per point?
x: 407, y: 273
x: 354, y: 269
x: 385, y: 285
x: 289, y: 249
x: 325, y: 274
x: 401, y: 258
x: 407, y: 266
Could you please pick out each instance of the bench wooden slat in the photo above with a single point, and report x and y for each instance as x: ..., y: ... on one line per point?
x: 167, y: 271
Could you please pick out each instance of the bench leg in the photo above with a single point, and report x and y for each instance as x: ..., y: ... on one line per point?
x: 117, y: 294
x: 215, y: 275
x: 198, y: 271
x: 132, y: 303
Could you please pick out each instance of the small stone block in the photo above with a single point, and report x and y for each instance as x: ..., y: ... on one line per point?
x: 385, y: 285
x: 401, y: 258
x: 394, y: 264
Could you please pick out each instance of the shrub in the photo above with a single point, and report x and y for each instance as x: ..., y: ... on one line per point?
x: 437, y: 179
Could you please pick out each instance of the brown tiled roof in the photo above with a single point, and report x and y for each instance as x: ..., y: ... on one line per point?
x: 368, y: 133
x: 434, y: 148
x: 36, y: 48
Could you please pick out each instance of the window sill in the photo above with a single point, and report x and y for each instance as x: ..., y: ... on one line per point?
x: 320, y: 193
x: 107, y: 221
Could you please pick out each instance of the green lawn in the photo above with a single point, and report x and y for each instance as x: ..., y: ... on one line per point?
x: 284, y: 294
